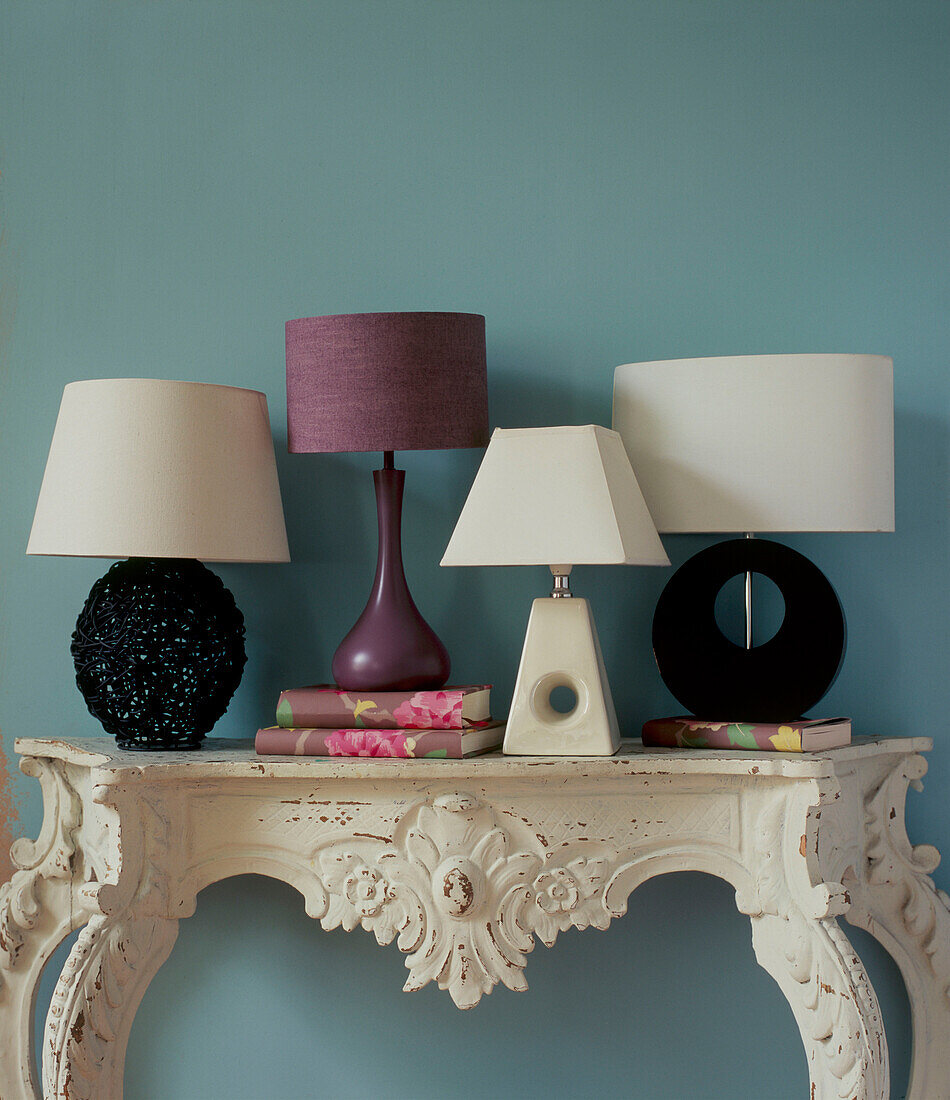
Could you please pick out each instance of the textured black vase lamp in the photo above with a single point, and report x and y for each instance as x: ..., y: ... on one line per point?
x: 165, y: 475
x: 387, y: 382
x: 757, y: 443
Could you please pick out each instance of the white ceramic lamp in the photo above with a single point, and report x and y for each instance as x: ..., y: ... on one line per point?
x: 559, y: 497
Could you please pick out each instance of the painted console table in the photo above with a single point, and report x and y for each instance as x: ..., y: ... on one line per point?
x: 463, y: 863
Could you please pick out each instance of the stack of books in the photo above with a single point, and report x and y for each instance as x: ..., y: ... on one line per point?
x: 324, y: 720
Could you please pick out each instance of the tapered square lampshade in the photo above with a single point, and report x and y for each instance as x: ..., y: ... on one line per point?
x: 560, y: 497
x: 555, y: 496
x: 386, y: 382
x: 142, y: 467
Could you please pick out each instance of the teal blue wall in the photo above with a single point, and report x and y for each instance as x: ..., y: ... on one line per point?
x: 605, y: 181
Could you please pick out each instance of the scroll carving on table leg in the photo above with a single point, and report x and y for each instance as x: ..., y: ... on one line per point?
x: 798, y: 941
x: 94, y: 1002
x: 49, y: 857
x: 895, y: 900
x: 462, y: 894
x: 111, y: 965
x: 36, y: 913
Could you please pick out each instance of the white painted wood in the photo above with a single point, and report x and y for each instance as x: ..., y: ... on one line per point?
x: 465, y: 864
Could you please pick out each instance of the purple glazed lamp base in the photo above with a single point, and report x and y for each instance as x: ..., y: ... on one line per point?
x: 391, y: 647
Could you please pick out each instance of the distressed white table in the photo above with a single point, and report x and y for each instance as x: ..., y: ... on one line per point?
x: 463, y: 863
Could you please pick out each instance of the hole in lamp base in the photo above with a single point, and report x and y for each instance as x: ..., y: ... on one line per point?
x: 563, y: 699
x: 768, y: 609
x: 559, y: 697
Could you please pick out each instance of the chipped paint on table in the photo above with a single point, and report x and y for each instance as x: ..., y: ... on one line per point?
x: 465, y: 864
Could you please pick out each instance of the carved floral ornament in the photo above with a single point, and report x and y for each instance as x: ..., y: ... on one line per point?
x: 461, y: 903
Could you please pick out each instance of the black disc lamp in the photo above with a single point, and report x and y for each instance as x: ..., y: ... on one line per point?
x: 749, y: 445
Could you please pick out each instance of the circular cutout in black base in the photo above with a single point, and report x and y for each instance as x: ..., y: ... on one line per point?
x: 776, y: 682
x: 159, y: 651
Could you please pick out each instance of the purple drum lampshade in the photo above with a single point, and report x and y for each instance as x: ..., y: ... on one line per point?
x: 387, y: 382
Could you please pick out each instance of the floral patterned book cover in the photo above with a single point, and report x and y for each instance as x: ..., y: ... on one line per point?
x: 807, y: 735
x: 402, y: 744
x: 326, y: 707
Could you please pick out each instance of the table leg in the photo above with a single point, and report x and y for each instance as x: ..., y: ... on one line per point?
x: 797, y: 939
x: 894, y: 898
x: 833, y: 1002
x: 98, y: 992
x: 39, y: 907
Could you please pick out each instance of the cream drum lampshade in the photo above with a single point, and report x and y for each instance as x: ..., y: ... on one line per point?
x: 560, y: 497
x: 164, y: 475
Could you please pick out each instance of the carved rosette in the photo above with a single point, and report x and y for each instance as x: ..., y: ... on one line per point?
x: 464, y: 903
x: 570, y: 896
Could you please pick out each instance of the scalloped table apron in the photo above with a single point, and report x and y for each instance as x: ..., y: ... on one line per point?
x: 463, y: 863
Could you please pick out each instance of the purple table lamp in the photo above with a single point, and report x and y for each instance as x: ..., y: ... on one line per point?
x: 387, y: 382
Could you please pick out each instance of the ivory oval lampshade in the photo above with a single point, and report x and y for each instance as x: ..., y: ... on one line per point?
x: 761, y: 443
x: 141, y: 467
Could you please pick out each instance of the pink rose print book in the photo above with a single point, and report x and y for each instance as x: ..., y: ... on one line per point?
x: 326, y: 707
x: 402, y: 744
x: 806, y: 735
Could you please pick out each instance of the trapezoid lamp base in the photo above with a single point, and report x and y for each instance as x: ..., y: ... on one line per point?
x: 561, y: 650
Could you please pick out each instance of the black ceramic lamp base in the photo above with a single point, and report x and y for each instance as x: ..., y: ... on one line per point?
x: 775, y: 682
x: 159, y: 652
